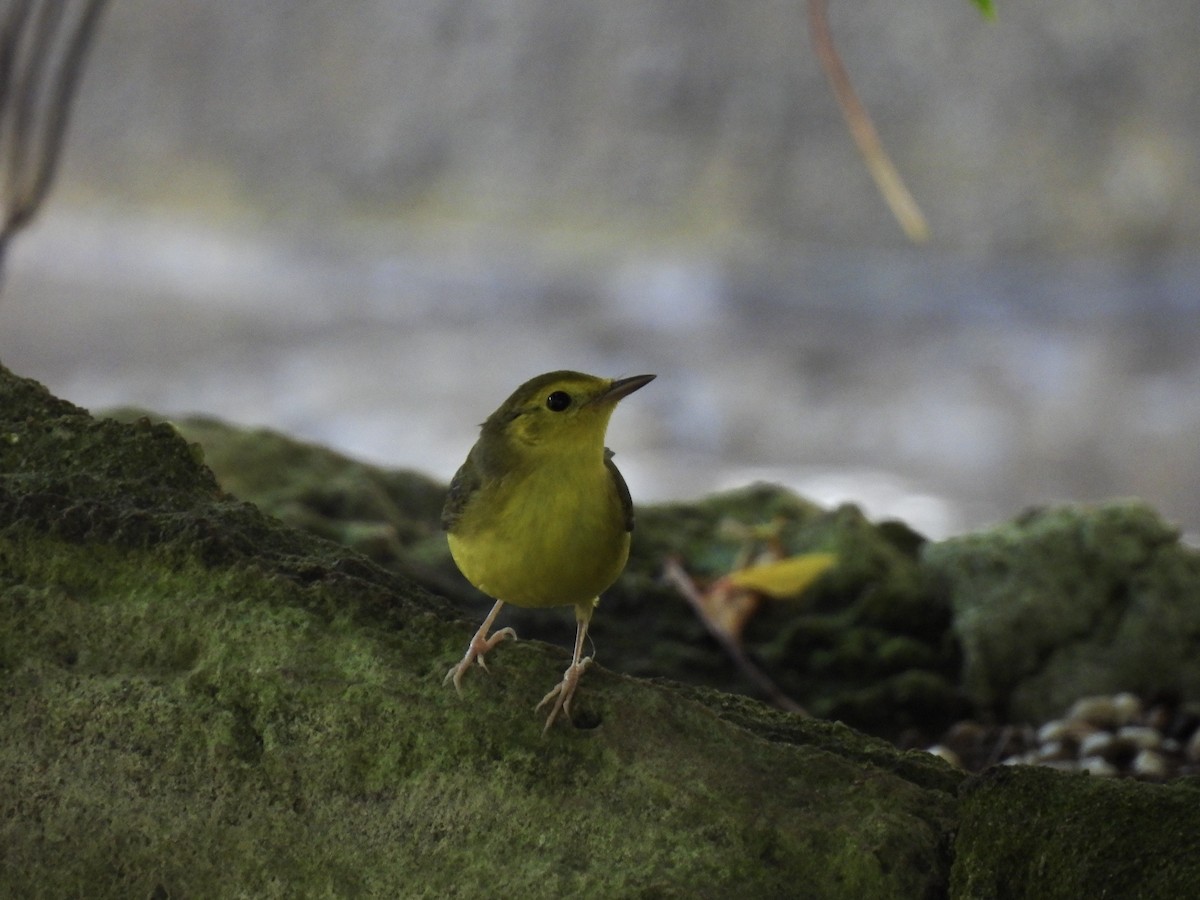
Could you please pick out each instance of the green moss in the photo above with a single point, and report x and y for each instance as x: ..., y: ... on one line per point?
x: 286, y: 751
x: 392, y: 517
x: 1072, y: 601
x: 1031, y: 832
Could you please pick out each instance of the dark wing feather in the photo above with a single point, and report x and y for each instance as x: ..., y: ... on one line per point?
x: 622, y: 489
x: 463, y: 486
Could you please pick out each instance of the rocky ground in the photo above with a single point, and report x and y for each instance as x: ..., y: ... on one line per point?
x: 1121, y: 735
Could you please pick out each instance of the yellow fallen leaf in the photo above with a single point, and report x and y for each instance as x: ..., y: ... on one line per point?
x: 785, y: 578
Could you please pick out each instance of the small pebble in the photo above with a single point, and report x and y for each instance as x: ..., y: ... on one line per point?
x: 1141, y: 736
x: 1096, y: 711
x: 1099, y: 744
x: 1106, y: 712
x: 1051, y: 751
x: 1067, y: 730
x: 1127, y: 707
x: 1054, y: 730
x: 1149, y: 763
x: 1096, y: 765
x: 1106, y: 736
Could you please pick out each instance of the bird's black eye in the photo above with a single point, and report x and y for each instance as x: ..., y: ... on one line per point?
x: 558, y: 401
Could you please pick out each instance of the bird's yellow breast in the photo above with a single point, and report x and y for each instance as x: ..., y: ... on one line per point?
x: 550, y: 535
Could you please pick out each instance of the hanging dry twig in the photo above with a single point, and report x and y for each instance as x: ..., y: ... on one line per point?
x: 674, y: 575
x: 42, y: 50
x: 901, y: 202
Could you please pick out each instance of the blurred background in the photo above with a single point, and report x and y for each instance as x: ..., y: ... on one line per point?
x: 364, y: 224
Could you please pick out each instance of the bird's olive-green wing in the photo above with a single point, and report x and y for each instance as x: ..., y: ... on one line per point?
x: 463, y: 486
x: 622, y: 489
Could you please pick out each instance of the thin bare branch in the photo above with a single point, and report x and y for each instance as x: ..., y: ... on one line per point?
x: 42, y: 50
x: 887, y: 178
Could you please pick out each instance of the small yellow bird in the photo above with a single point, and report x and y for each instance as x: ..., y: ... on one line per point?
x: 538, y: 515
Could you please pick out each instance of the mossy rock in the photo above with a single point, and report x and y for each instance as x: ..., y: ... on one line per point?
x: 1029, y: 832
x: 391, y: 516
x: 867, y: 644
x: 198, y: 700
x: 1072, y: 601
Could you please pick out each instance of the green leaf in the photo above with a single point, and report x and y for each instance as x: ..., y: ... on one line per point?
x: 986, y: 7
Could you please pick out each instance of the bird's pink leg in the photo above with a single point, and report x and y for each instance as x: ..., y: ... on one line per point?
x: 563, y: 692
x: 480, y: 645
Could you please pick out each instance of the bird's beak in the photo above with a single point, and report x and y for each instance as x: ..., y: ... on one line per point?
x: 623, y: 387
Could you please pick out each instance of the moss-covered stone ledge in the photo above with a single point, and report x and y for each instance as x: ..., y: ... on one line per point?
x: 1032, y: 832
x: 199, y: 700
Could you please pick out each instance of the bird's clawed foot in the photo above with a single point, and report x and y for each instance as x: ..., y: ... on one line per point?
x: 563, y: 692
x: 479, y: 646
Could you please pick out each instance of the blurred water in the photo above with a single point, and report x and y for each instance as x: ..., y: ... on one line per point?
x: 947, y: 391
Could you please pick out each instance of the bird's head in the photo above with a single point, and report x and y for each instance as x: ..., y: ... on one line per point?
x: 561, y: 411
